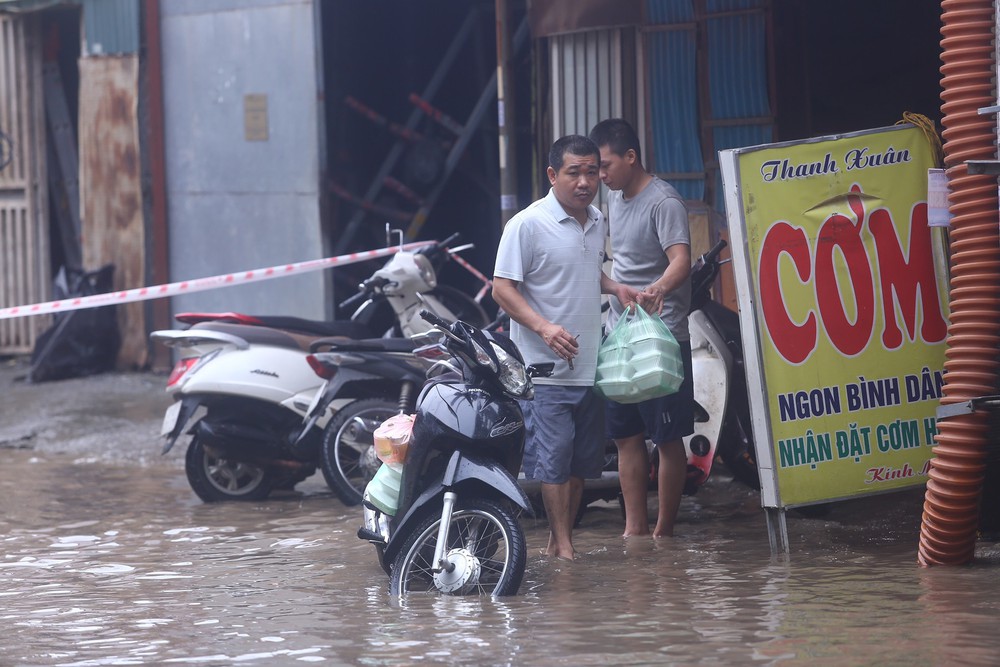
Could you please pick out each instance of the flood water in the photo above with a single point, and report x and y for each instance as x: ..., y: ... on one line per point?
x: 104, y: 564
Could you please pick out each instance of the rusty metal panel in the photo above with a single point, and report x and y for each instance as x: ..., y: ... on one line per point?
x: 111, y: 187
x: 24, y: 249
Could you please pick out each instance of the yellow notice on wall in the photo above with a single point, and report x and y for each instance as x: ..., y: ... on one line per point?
x: 844, y: 310
x: 255, y: 117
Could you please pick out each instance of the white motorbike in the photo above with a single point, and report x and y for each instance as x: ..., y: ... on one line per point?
x: 250, y: 380
x: 722, y: 410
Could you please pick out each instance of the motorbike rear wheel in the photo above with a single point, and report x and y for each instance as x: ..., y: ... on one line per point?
x: 347, y: 454
x: 214, y: 478
x: 486, y: 544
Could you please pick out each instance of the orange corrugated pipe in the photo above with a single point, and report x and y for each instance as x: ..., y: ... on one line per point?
x: 951, y: 503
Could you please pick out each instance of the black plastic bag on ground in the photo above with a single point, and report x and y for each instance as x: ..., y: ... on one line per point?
x: 80, y: 342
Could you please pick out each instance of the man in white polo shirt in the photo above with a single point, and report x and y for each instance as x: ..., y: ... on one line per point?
x: 549, y: 279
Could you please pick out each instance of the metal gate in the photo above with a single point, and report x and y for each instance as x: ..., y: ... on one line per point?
x: 24, y: 248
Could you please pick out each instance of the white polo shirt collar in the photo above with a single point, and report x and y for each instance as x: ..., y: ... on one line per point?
x: 552, y: 206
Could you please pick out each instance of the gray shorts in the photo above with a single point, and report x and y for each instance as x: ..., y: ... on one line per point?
x: 565, y: 434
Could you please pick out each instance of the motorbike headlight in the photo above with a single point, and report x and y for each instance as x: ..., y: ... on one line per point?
x: 482, y: 356
x: 512, y: 374
x: 426, y: 270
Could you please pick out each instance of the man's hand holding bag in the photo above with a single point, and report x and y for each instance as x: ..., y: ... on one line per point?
x: 639, y: 359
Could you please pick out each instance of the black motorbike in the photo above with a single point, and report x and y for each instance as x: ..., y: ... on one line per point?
x: 359, y: 368
x: 446, y: 520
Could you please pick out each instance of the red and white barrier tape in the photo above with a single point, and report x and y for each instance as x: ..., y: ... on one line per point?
x: 198, y: 284
x: 487, y: 283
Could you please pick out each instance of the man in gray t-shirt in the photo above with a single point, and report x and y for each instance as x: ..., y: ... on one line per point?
x: 651, y: 248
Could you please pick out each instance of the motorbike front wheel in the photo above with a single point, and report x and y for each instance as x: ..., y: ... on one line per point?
x: 215, y: 478
x: 348, y: 456
x: 486, y: 546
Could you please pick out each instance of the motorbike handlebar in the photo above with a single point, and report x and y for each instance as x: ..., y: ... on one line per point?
x: 714, y: 252
x: 440, y: 246
x: 451, y: 239
x: 350, y: 301
x: 365, y: 290
x: 434, y: 319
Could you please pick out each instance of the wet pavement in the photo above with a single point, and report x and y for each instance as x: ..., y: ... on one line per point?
x: 107, y: 557
x: 108, y: 418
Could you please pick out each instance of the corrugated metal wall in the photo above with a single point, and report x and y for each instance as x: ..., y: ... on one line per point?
x: 586, y: 74
x: 598, y: 69
x: 692, y: 117
x: 672, y: 109
x: 738, y: 80
x: 24, y: 225
x: 110, y: 27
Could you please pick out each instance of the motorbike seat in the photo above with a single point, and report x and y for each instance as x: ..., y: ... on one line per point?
x: 299, y: 325
x: 364, y: 345
x: 258, y: 335
x: 317, y: 327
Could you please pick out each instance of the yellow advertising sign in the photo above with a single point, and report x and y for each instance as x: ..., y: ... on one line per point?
x: 849, y: 310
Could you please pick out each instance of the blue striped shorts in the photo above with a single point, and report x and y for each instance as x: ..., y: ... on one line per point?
x: 565, y: 437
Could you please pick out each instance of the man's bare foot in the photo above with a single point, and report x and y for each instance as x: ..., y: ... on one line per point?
x: 666, y: 533
x: 631, y: 533
x: 553, y: 550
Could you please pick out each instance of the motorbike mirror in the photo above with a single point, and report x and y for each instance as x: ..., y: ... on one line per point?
x: 388, y: 236
x: 543, y: 370
x: 451, y: 239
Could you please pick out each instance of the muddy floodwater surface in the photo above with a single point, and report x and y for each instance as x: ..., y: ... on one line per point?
x: 108, y: 558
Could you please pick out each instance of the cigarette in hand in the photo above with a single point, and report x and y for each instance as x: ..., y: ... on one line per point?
x: 570, y: 360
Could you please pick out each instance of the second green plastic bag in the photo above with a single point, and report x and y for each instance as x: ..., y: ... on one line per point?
x: 639, y: 359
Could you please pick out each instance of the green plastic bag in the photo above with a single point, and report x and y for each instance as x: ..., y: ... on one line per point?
x: 639, y: 359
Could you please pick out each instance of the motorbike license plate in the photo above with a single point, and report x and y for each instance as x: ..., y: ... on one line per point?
x: 170, y: 418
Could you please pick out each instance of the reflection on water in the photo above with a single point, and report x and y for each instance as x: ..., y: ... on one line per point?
x: 103, y: 566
